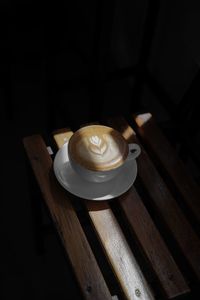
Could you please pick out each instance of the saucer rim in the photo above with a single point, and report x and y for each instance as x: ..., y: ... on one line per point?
x: 103, y: 198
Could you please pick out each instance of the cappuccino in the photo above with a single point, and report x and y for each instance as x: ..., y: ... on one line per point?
x: 98, y: 148
x: 97, y: 153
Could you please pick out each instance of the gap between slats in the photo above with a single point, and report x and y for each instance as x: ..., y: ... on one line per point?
x: 152, y: 245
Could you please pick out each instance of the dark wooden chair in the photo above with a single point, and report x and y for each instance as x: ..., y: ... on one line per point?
x: 148, y: 237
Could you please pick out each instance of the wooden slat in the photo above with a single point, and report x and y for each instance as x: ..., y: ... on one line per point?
x: 117, y: 250
x: 61, y: 136
x: 165, y: 204
x: 153, y: 245
x: 79, y: 252
x: 156, y: 140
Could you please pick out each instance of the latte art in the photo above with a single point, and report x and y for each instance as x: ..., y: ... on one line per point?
x: 97, y: 145
x: 98, y: 148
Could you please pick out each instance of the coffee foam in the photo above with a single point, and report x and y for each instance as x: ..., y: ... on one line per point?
x: 98, y: 148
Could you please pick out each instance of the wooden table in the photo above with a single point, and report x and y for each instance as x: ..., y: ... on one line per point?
x: 148, y: 237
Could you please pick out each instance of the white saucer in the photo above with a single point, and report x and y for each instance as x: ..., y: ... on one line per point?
x: 76, y: 185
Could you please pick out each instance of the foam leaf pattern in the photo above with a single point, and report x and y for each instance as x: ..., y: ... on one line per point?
x: 97, y: 145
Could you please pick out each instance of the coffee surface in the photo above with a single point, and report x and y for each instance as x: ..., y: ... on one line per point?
x: 98, y: 148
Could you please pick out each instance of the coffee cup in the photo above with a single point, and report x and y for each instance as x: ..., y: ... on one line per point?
x: 98, y: 153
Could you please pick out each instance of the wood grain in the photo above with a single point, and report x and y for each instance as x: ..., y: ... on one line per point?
x: 153, y: 245
x: 124, y: 265
x: 87, y: 272
x: 163, y: 201
x: 118, y: 252
x: 152, y: 135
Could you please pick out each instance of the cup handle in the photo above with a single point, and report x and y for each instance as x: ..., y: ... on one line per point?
x: 134, y: 151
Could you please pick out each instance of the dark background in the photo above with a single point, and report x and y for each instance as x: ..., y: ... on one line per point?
x: 66, y: 63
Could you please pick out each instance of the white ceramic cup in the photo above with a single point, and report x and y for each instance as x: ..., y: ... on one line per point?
x: 133, y: 151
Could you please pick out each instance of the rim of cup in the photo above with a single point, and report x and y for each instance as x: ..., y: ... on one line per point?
x: 87, y: 165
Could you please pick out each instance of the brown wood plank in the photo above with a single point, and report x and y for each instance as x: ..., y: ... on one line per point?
x: 87, y: 272
x: 61, y: 136
x: 162, y: 199
x: 121, y: 258
x: 152, y: 135
x: 118, y: 251
x: 153, y: 245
